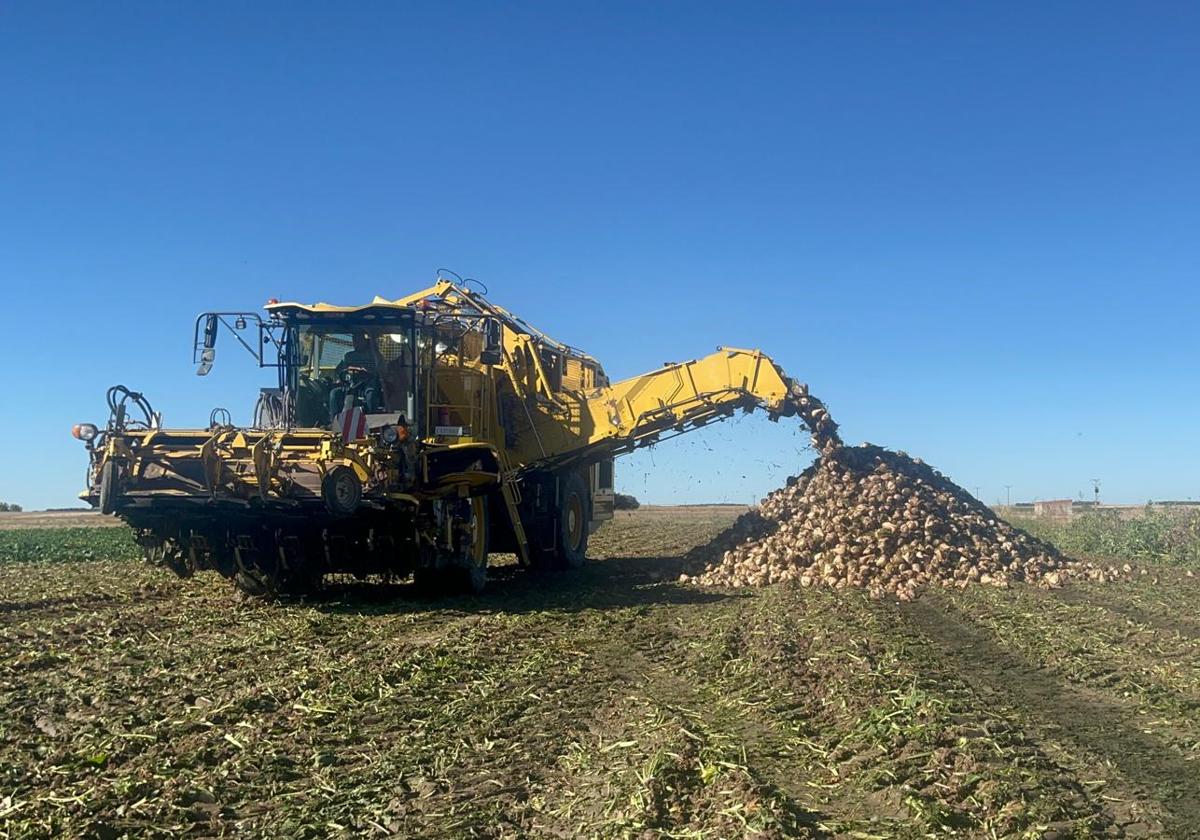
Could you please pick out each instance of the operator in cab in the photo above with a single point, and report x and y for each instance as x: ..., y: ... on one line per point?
x: 362, y: 357
x: 357, y: 374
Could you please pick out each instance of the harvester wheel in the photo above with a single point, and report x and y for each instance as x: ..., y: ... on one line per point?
x: 461, y: 572
x: 429, y: 581
x: 108, y: 487
x: 474, y: 573
x: 574, y: 514
x: 342, y: 491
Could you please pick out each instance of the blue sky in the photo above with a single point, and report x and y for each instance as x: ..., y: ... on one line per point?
x: 972, y: 228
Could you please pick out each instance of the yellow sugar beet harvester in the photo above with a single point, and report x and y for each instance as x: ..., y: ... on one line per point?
x: 411, y: 436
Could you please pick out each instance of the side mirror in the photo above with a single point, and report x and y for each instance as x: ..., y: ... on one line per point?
x: 211, y: 322
x: 493, y: 346
x: 207, y: 356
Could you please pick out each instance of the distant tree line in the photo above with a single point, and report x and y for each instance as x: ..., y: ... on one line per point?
x: 6, y: 507
x: 623, y: 501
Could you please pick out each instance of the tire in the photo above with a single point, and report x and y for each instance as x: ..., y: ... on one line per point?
x: 463, y: 574
x: 342, y: 491
x: 464, y: 580
x: 429, y: 582
x: 574, y: 513
x: 474, y: 574
x: 108, y: 487
x: 476, y: 580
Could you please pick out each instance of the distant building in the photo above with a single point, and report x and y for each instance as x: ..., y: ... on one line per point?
x: 1053, y: 509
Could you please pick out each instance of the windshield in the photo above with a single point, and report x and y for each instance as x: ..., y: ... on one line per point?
x: 369, y: 365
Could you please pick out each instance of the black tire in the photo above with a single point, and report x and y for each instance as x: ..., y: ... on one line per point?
x: 474, y: 579
x: 574, y: 514
x: 462, y: 574
x: 108, y: 487
x: 463, y: 580
x: 342, y: 491
x: 430, y: 582
x: 474, y: 574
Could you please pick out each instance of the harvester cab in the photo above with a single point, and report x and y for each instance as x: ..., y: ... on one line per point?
x: 327, y: 360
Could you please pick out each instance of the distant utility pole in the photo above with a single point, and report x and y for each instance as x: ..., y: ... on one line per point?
x: 1008, y: 495
x: 977, y: 496
x: 1096, y: 490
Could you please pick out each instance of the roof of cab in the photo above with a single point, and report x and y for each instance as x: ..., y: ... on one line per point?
x: 378, y: 307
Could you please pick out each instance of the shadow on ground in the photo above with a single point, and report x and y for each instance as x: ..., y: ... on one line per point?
x: 613, y: 583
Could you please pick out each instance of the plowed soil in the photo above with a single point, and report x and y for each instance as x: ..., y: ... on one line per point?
x: 610, y: 702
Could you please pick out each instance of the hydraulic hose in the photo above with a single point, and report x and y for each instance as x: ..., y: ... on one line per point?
x: 118, y: 396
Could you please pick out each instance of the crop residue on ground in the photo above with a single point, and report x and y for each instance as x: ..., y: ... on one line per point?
x: 609, y: 703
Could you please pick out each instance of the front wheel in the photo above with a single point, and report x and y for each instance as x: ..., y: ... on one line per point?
x: 471, y: 569
x: 108, y: 487
x: 464, y: 570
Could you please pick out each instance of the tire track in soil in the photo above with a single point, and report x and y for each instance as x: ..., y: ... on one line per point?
x: 48, y: 608
x: 1097, y: 725
x: 645, y: 656
x: 654, y: 676
x: 543, y: 731
x: 68, y: 603
x: 770, y: 758
x: 537, y: 734
x: 1185, y: 627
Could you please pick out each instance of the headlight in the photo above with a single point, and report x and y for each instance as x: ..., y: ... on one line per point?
x: 83, y: 431
x: 389, y: 435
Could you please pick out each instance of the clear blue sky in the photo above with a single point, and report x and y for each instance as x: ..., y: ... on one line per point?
x: 973, y: 228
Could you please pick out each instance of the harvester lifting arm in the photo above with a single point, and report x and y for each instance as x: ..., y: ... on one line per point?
x: 680, y: 397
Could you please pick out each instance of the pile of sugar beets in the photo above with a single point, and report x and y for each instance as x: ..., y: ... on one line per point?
x: 869, y: 518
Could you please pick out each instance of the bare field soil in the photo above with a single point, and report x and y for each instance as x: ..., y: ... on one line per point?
x: 13, y: 521
x: 611, y: 702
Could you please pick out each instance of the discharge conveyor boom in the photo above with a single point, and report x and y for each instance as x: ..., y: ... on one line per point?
x: 676, y: 398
